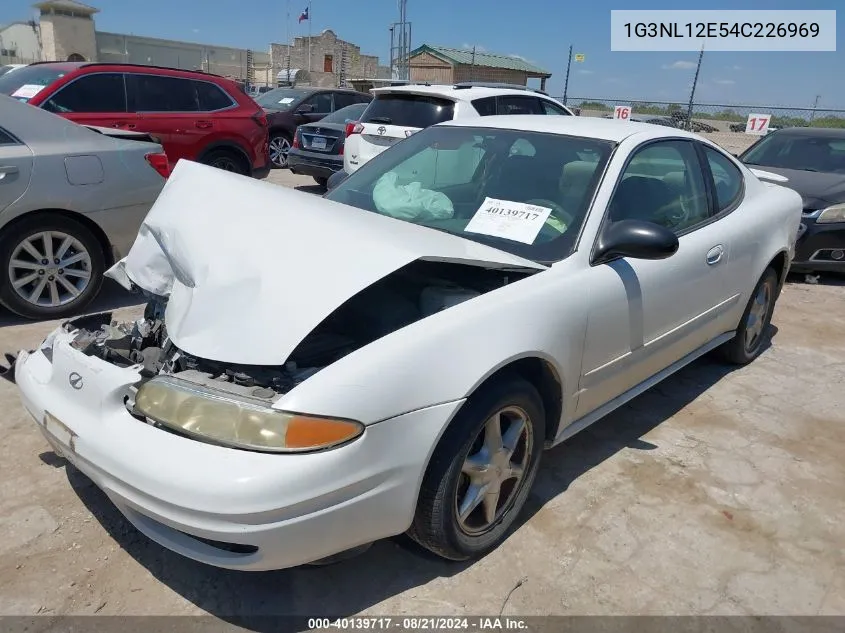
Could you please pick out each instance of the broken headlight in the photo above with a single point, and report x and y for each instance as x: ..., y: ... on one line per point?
x: 223, y: 419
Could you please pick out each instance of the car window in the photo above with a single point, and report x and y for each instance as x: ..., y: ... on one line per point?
x: 409, y: 110
x: 344, y: 115
x: 6, y: 138
x: 281, y: 98
x: 518, y: 104
x: 100, y: 92
x: 662, y: 183
x: 727, y: 178
x: 211, y: 97
x: 485, y: 106
x: 158, y: 93
x: 25, y: 83
x: 322, y: 103
x: 550, y: 107
x: 807, y: 153
x: 344, y: 99
x: 470, y: 182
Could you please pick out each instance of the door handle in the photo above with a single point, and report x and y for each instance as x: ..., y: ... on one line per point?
x: 8, y: 169
x: 714, y: 255
x: 203, y: 125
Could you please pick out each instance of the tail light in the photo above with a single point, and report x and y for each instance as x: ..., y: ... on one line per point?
x: 340, y: 150
x: 260, y: 118
x: 295, y: 140
x: 160, y: 163
x: 354, y: 127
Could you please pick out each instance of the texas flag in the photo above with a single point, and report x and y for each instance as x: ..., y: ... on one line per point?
x: 303, y: 15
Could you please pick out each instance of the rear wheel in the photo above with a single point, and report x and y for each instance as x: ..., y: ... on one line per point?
x: 481, y: 471
x: 227, y: 160
x: 752, y: 333
x: 279, y: 148
x: 52, y: 267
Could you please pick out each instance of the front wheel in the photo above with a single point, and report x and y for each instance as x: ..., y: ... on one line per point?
x: 752, y: 333
x: 481, y: 471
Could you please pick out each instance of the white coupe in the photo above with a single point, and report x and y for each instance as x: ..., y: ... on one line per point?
x: 313, y: 374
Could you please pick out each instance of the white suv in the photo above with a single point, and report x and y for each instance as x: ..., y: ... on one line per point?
x: 397, y: 112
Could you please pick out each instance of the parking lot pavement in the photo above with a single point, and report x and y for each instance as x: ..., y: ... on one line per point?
x: 717, y: 492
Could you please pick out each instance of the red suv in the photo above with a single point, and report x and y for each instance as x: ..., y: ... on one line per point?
x: 194, y: 115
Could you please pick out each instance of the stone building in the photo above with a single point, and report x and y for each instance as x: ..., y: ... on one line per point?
x: 324, y: 60
x: 441, y: 64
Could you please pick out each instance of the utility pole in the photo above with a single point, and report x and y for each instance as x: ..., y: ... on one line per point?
x: 472, y: 66
x: 692, y: 92
x: 566, y: 82
x: 815, y: 105
x: 287, y: 39
x: 309, y: 38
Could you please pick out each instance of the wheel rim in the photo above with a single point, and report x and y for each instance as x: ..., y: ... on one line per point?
x: 755, y: 323
x: 494, y: 471
x: 227, y: 163
x: 50, y: 269
x: 279, y: 148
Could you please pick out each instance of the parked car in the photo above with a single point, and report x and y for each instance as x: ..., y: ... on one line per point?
x: 432, y: 338
x: 317, y: 149
x: 396, y: 112
x: 196, y: 116
x: 811, y: 161
x: 288, y: 108
x: 71, y: 202
x: 10, y: 67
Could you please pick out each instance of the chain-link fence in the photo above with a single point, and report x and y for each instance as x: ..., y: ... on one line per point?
x: 725, y: 124
x: 14, y: 59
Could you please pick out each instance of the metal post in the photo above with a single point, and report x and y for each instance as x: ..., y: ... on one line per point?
x: 472, y: 66
x: 309, y: 37
x: 566, y: 82
x: 815, y: 105
x: 692, y: 92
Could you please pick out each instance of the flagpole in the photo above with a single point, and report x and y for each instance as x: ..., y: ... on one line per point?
x: 309, y: 37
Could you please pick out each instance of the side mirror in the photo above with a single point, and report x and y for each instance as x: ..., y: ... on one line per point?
x: 305, y: 108
x: 636, y: 239
x: 335, y: 179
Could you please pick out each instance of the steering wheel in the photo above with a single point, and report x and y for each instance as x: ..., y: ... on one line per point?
x: 558, y: 211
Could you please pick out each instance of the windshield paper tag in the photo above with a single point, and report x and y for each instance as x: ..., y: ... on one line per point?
x: 514, y: 221
x: 27, y: 91
x: 286, y: 100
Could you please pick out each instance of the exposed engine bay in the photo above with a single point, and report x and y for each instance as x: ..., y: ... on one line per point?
x: 412, y: 293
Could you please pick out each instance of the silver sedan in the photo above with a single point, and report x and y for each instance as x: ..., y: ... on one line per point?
x: 71, y: 201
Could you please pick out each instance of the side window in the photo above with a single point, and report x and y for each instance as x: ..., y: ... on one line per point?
x: 518, y: 104
x: 552, y: 108
x: 211, y: 97
x: 7, y: 139
x: 662, y: 184
x: 102, y: 92
x: 343, y: 99
x: 726, y: 176
x: 322, y: 103
x: 157, y: 93
x: 485, y: 106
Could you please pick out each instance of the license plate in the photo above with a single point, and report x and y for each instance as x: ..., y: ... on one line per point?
x: 318, y: 142
x: 60, y: 433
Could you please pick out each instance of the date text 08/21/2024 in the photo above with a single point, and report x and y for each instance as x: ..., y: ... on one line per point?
x: 722, y: 29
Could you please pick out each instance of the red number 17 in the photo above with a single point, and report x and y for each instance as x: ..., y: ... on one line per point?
x: 762, y: 123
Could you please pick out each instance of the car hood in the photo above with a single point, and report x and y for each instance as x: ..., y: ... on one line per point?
x: 812, y: 185
x: 250, y: 268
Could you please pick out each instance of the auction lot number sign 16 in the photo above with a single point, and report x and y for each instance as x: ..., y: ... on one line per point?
x: 758, y: 124
x: 622, y: 112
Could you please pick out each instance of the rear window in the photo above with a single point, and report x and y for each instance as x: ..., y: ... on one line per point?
x: 409, y: 110
x: 25, y: 83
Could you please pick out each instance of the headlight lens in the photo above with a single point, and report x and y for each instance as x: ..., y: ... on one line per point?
x: 836, y: 213
x: 226, y: 420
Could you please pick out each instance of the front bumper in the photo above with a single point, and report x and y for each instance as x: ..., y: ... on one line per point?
x: 228, y: 508
x: 814, y: 247
x: 314, y: 164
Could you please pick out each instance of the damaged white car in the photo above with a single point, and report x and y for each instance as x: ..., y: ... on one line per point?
x: 315, y: 374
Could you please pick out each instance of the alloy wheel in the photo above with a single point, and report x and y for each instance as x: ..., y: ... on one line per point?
x: 279, y: 148
x: 494, y: 470
x: 50, y: 269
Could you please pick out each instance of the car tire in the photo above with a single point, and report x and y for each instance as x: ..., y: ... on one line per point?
x: 753, y: 330
x: 227, y: 160
x: 280, y: 143
x: 83, y: 254
x: 323, y: 182
x: 446, y: 486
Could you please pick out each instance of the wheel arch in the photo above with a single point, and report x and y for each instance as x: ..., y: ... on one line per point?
x: 227, y: 145
x: 780, y: 264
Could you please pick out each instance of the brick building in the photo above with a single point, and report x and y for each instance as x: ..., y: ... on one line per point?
x: 441, y: 64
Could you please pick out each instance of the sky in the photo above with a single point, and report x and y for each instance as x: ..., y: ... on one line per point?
x: 541, y: 31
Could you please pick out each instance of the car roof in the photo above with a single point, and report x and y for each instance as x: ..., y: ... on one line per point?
x: 589, y: 127
x: 454, y: 93
x: 817, y: 132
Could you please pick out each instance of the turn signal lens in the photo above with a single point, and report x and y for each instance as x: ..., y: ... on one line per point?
x: 221, y: 418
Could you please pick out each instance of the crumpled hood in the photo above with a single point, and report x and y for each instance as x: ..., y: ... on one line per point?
x: 250, y: 268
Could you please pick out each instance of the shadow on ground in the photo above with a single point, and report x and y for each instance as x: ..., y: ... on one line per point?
x: 390, y: 567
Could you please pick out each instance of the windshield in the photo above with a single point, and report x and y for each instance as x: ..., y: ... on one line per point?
x: 524, y: 192
x: 281, y: 98
x: 347, y: 114
x: 26, y: 82
x: 807, y: 153
x: 409, y: 110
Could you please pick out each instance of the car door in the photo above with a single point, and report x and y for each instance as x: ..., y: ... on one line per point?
x: 96, y: 99
x: 168, y: 109
x: 314, y: 108
x: 15, y: 168
x: 647, y: 314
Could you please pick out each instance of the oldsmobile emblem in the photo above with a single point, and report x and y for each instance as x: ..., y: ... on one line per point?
x: 75, y: 380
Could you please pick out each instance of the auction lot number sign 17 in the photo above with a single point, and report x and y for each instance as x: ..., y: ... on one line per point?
x: 622, y: 112
x: 758, y: 124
